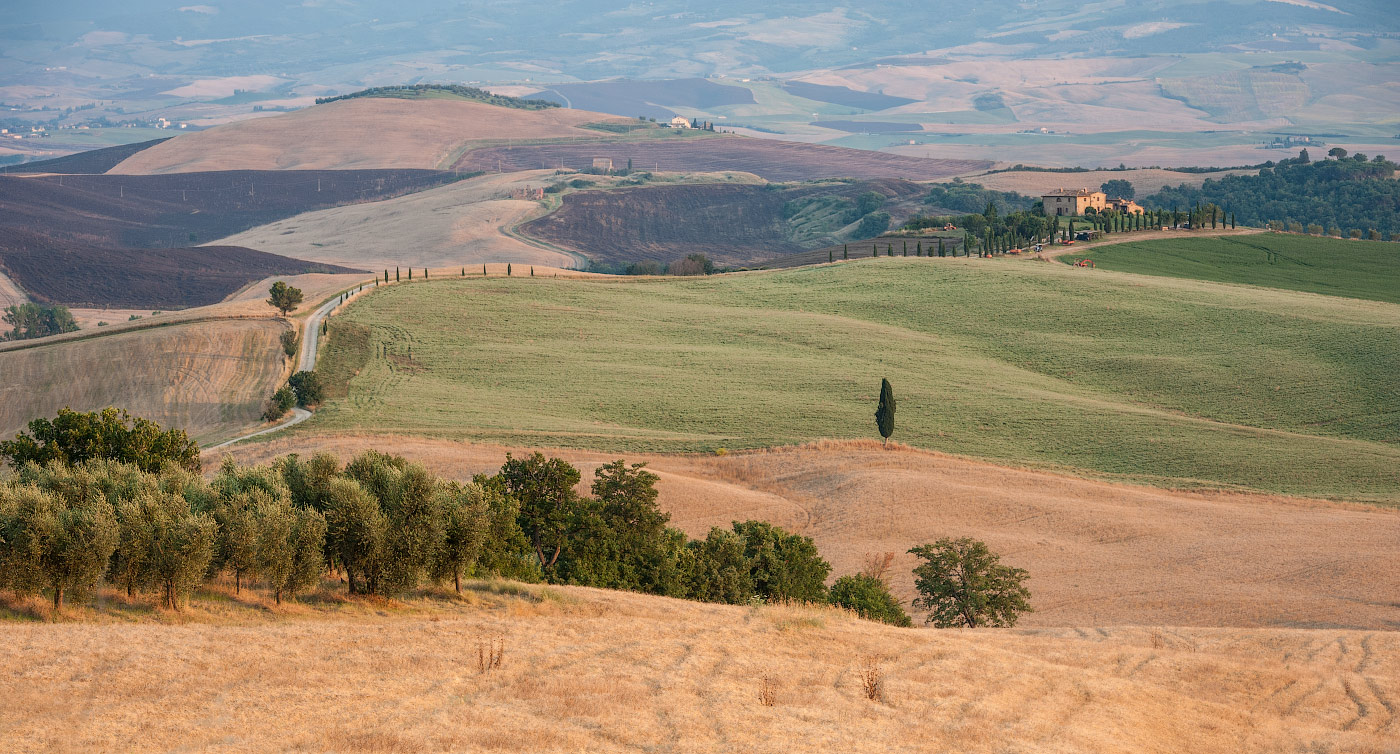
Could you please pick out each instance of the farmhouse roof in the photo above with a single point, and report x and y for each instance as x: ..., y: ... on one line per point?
x: 1071, y: 192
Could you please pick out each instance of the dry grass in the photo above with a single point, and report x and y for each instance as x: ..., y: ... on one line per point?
x: 357, y: 133
x: 207, y: 378
x: 612, y: 671
x: 1098, y: 553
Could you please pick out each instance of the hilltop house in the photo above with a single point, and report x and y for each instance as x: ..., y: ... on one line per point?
x: 1076, y: 201
x: 679, y: 122
x: 1073, y: 201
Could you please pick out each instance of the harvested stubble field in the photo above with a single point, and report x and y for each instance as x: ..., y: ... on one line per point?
x: 1175, y: 383
x: 207, y: 378
x: 358, y: 134
x: 769, y: 158
x: 1358, y: 269
x: 1098, y: 553
x: 588, y: 670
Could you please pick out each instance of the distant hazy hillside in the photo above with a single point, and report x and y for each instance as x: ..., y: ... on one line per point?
x: 591, y: 39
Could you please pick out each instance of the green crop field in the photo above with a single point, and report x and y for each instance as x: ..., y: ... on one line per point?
x: 1357, y: 269
x: 1170, y: 382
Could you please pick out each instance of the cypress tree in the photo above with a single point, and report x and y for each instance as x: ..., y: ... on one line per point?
x: 425, y: 273
x: 396, y: 275
x: 889, y: 250
x: 884, y: 413
x: 532, y: 267
x: 906, y: 248
x: 483, y: 270
x: 845, y: 251
x: 918, y: 248
x: 410, y: 273
x: 507, y: 269
x: 874, y: 250
x: 830, y: 255
x: 940, y: 247
x: 386, y: 275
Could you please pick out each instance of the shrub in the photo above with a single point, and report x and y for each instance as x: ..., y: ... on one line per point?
x: 280, y: 403
x: 869, y: 598
x: 309, y: 390
x: 693, y: 264
x: 962, y: 583
x: 783, y: 566
x: 73, y: 437
x: 718, y: 569
x: 290, y: 341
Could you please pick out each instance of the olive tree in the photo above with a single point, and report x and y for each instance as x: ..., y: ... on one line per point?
x: 467, y: 516
x: 47, y: 540
x: 289, y: 547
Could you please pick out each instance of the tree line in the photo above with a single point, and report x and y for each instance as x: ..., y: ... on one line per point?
x: 143, y: 519
x: 31, y: 320
x: 1346, y: 195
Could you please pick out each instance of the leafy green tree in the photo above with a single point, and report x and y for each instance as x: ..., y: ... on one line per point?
x: 884, y: 413
x: 31, y: 320
x: 412, y: 502
x: 869, y: 598
x: 290, y: 543
x: 783, y: 566
x: 357, y: 533
x: 283, y: 297
x: 506, y: 552
x: 62, y: 542
x: 718, y: 570
x: 545, y: 491
x: 1118, y: 189
x: 112, y: 433
x: 962, y: 583
x: 467, y: 519
x: 627, y: 504
x: 290, y: 341
x: 310, y: 391
x: 280, y: 403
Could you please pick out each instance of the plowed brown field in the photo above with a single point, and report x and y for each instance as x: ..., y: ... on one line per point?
x: 1098, y: 553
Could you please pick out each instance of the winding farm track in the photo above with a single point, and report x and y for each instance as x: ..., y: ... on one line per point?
x: 310, y: 339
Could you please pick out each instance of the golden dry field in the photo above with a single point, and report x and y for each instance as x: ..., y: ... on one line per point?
x: 356, y: 134
x: 598, y: 671
x: 1099, y: 554
x: 207, y: 378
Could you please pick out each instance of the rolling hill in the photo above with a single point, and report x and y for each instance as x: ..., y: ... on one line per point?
x: 358, y: 134
x: 1170, y: 382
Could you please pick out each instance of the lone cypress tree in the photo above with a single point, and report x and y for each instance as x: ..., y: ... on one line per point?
x: 483, y: 270
x: 532, y: 267
x: 507, y: 269
x: 874, y: 250
x: 396, y: 275
x: 830, y: 255
x: 410, y: 273
x: 464, y: 272
x: 845, y: 251
x: 425, y: 273
x: 906, y: 248
x: 884, y: 414
x: 386, y: 275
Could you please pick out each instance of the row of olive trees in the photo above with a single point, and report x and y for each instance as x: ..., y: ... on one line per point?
x: 388, y: 526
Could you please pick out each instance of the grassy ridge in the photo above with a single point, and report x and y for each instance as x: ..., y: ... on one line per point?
x: 1357, y: 269
x: 1164, y: 381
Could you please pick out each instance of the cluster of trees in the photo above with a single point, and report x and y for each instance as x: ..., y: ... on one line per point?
x: 972, y: 197
x: 304, y: 388
x: 30, y: 320
x: 466, y: 92
x: 73, y: 437
x: 692, y: 264
x: 388, y: 526
x: 1350, y: 192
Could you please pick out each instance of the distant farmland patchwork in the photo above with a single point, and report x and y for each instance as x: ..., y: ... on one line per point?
x: 774, y: 160
x: 1169, y: 382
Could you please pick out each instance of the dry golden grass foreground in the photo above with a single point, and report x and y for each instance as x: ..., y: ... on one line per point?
x: 1099, y: 554
x: 583, y: 670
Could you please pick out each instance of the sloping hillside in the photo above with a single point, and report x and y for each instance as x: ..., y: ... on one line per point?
x: 587, y: 670
x: 358, y: 134
x: 1098, y: 553
x: 207, y: 378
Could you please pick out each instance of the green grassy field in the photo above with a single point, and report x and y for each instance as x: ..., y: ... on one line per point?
x: 1156, y: 380
x: 1357, y: 269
